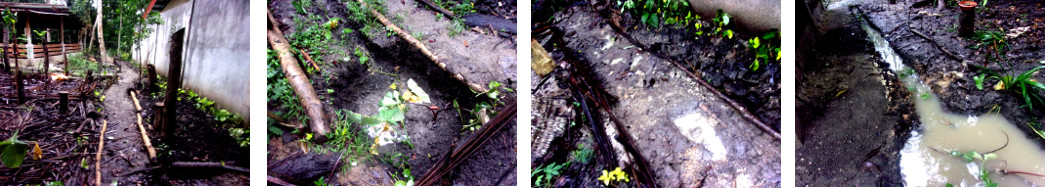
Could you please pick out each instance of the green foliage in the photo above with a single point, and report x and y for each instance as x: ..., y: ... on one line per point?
x: 280, y: 93
x: 12, y: 151
x: 582, y: 154
x: 9, y: 18
x: 402, y: 162
x: 979, y: 81
x: 54, y: 183
x: 363, y: 57
x: 994, y: 40
x: 656, y: 12
x: 314, y: 39
x: 972, y: 156
x: 322, y: 181
x: 542, y: 175
x: 301, y: 5
x: 1022, y: 84
x: 361, y: 14
x: 765, y: 48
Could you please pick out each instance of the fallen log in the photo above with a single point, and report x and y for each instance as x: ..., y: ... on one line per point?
x: 300, y: 83
x: 420, y: 46
x: 98, y: 158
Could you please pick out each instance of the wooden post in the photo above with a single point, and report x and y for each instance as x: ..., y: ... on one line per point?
x: 63, y: 102
x: 28, y: 42
x: 150, y: 70
x: 47, y: 61
x: 18, y: 84
x: 61, y: 39
x: 173, y: 82
x: 157, y: 114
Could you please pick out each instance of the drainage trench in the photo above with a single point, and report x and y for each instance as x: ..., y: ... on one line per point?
x: 926, y: 158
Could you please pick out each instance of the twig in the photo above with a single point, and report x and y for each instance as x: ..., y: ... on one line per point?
x: 437, y: 8
x: 1003, y: 146
x: 277, y: 181
x: 309, y: 59
x: 98, y: 158
x: 937, y: 45
x: 456, y: 157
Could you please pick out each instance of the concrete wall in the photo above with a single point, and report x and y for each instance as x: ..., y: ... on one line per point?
x: 216, y: 58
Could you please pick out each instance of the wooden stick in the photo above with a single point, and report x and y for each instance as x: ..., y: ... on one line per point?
x: 937, y: 45
x: 437, y: 8
x: 134, y: 97
x: 309, y: 59
x: 277, y: 181
x: 300, y: 83
x: 420, y: 46
x: 145, y: 137
x: 98, y: 158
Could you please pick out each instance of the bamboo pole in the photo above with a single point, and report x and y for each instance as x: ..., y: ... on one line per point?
x: 137, y: 107
x: 145, y: 137
x: 98, y: 158
x: 300, y: 83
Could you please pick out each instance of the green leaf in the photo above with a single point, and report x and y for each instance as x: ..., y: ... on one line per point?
x: 13, y: 153
x: 391, y: 114
x: 979, y: 81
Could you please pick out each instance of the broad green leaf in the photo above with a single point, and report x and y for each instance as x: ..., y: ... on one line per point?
x: 13, y: 154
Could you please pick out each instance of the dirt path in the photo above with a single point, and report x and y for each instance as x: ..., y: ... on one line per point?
x: 688, y: 135
x: 124, y: 148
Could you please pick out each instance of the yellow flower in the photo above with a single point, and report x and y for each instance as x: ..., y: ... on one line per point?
x: 619, y: 175
x: 393, y: 86
x: 605, y: 178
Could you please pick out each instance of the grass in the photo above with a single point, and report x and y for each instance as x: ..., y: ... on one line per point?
x: 1022, y: 84
x: 280, y: 93
x: 79, y: 64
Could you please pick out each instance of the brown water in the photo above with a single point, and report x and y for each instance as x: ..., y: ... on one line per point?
x: 926, y: 159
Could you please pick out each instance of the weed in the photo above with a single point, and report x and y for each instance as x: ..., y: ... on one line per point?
x: 765, y: 48
x: 280, y: 92
x: 582, y: 154
x: 1022, y: 84
x: 994, y: 40
x: 655, y: 12
x: 971, y: 156
x: 320, y: 182
x: 543, y: 175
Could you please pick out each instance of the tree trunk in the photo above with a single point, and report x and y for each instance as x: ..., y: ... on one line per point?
x: 101, y: 35
x: 299, y: 82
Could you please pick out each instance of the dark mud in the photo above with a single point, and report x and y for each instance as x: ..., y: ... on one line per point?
x: 952, y: 79
x: 847, y: 137
x: 677, y: 125
x: 358, y: 88
x: 854, y: 116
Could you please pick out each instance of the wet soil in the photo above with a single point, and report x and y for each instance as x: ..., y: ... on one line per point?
x: 845, y: 80
x: 358, y: 88
x: 669, y: 115
x: 846, y: 136
x: 69, y: 142
x: 196, y: 137
x: 951, y: 79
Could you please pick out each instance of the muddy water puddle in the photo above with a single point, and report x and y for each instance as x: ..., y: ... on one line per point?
x: 927, y: 159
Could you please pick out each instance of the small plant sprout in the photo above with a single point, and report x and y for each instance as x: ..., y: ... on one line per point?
x: 13, y: 151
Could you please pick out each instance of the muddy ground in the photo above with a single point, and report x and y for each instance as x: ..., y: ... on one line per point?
x: 830, y: 97
x: 669, y: 115
x: 69, y: 158
x: 358, y: 88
